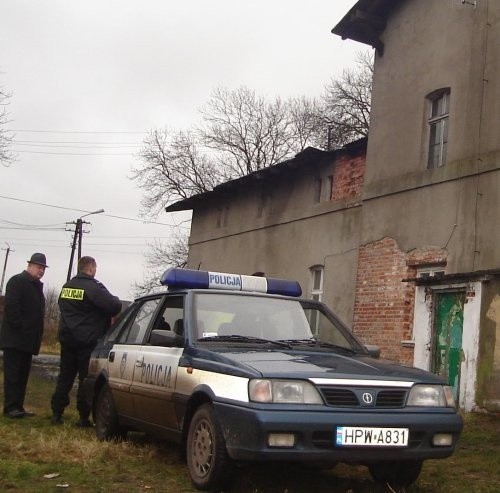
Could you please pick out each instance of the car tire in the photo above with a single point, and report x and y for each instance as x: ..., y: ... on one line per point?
x: 106, y: 419
x: 397, y: 474
x: 209, y: 464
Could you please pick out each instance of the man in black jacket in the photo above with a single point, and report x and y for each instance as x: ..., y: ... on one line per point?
x: 21, y: 333
x: 86, y: 310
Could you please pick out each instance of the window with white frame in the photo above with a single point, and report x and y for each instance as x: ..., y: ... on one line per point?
x: 435, y: 271
x: 439, y: 113
x: 317, y: 272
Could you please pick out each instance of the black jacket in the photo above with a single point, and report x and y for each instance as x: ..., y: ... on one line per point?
x: 22, y: 325
x: 86, y: 310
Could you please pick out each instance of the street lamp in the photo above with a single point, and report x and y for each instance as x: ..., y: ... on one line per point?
x: 78, y: 234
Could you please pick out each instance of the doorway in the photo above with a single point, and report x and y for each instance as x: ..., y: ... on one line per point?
x: 447, y: 337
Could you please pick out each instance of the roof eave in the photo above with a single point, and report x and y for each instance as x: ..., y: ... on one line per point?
x: 365, y: 22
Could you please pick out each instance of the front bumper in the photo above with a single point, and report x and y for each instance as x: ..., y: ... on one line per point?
x: 246, y: 430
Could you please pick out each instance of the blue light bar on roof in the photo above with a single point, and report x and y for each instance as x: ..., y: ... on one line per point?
x: 176, y: 278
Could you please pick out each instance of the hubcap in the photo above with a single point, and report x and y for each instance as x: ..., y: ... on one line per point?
x: 202, y: 448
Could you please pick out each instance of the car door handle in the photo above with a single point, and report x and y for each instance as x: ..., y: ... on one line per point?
x: 111, y: 356
x: 139, y: 362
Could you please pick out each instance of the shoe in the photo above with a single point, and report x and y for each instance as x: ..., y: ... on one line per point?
x: 28, y: 414
x: 56, y: 419
x: 15, y: 413
x: 84, y: 423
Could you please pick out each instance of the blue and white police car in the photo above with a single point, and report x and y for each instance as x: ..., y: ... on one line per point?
x: 240, y: 368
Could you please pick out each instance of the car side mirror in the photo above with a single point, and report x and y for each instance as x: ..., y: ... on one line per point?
x: 373, y: 350
x: 166, y: 338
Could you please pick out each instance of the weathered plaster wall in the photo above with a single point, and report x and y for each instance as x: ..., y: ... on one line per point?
x: 289, y: 250
x: 488, y: 372
x: 427, y: 46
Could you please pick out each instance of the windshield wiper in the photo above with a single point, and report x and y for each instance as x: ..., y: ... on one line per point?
x: 240, y: 338
x: 315, y: 342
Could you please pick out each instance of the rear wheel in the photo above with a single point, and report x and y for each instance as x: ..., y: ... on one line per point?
x: 397, y: 474
x: 209, y: 465
x: 106, y: 419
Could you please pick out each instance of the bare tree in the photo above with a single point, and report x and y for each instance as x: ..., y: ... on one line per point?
x: 247, y: 132
x: 6, y: 156
x: 347, y: 102
x: 52, y: 313
x: 159, y: 257
x: 308, y: 123
x: 241, y: 132
x: 51, y: 320
x: 173, y: 167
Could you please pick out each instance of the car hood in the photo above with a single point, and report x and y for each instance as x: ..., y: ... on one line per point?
x: 308, y: 364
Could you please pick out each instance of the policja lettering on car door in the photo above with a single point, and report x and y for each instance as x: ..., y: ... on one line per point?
x: 154, y: 384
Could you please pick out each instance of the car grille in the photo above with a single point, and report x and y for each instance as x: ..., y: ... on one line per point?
x: 342, y: 397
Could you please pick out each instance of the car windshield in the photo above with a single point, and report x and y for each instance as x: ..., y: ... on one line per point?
x: 220, y: 316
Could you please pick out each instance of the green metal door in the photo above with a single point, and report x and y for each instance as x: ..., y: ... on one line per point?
x: 447, y: 347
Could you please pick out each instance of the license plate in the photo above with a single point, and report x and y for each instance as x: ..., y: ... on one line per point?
x: 371, y: 437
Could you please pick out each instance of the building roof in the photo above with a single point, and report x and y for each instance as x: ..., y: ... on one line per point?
x: 366, y: 21
x: 306, y: 157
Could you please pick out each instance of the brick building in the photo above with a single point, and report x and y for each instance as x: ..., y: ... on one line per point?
x: 400, y: 234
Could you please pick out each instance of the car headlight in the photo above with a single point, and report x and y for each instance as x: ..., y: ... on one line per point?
x: 283, y: 392
x: 431, y: 396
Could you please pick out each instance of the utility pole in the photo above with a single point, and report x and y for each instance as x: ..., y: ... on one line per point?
x: 78, y: 236
x: 7, y: 251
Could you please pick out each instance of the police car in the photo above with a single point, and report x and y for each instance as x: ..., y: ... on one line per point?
x: 240, y: 368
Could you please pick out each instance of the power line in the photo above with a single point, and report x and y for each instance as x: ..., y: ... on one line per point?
x: 99, y: 236
x: 72, y: 153
x: 74, y: 142
x: 32, y: 225
x: 81, y: 210
x: 31, y: 228
x: 81, y: 145
x: 41, y: 203
x: 75, y: 131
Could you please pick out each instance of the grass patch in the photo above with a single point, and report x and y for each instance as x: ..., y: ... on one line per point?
x: 31, y: 448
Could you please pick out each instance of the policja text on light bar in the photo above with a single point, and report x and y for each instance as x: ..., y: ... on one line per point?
x: 176, y: 278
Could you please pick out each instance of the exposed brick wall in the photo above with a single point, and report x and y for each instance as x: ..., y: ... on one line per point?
x: 348, y: 177
x: 384, y: 305
x: 426, y: 256
x: 383, y: 308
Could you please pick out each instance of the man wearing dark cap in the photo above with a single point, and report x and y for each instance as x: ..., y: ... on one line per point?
x: 21, y: 333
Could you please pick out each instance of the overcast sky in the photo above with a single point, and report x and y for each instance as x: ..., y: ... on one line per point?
x: 90, y: 78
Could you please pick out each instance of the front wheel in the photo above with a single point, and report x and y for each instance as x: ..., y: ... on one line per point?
x: 106, y: 419
x: 398, y: 474
x: 209, y: 465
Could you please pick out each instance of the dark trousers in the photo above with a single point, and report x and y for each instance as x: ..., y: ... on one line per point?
x: 74, y: 360
x: 16, y: 370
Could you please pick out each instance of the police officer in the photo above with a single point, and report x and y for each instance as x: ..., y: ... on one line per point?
x: 86, y: 310
x: 21, y: 333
